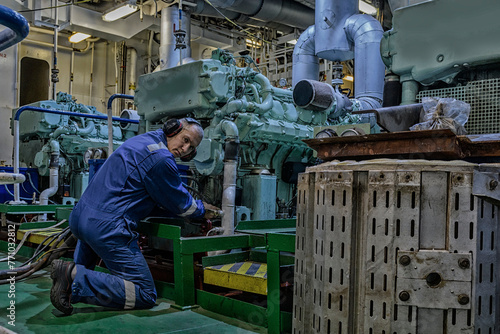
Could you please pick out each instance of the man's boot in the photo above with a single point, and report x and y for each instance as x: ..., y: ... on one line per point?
x: 61, y: 285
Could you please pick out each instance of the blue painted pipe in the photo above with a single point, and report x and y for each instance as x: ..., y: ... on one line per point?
x: 17, y: 27
x: 114, y: 96
x: 110, y: 113
x: 51, y: 111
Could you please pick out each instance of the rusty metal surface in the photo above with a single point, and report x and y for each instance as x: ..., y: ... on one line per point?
x: 426, y: 144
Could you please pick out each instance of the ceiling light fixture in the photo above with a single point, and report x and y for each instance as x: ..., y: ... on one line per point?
x: 349, y: 78
x: 367, y: 8
x: 77, y: 37
x: 120, y: 11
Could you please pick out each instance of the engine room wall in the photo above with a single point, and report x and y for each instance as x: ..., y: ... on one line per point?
x: 94, y: 76
x: 8, y: 72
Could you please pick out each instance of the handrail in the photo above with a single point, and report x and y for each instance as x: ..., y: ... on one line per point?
x: 49, y: 111
x: 110, y: 115
x: 17, y: 27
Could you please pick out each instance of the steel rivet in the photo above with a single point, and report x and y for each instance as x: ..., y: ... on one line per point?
x: 493, y: 184
x: 404, y: 296
x: 463, y: 263
x: 404, y: 260
x: 463, y: 299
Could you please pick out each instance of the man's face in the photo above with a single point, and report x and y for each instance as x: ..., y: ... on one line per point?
x: 184, y: 142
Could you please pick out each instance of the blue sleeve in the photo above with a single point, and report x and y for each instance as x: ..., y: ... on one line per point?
x: 164, y: 185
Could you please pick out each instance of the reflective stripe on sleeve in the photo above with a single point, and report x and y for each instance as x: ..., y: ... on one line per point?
x: 191, y: 209
x: 129, y: 295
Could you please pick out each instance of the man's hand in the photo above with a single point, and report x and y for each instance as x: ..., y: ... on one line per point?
x: 211, y: 211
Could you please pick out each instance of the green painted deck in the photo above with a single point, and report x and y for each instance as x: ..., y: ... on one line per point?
x: 35, y: 314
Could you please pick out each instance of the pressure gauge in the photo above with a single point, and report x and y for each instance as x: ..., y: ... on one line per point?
x: 282, y: 82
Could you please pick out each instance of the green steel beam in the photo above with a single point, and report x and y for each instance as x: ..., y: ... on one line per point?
x: 286, y: 322
x: 273, y: 291
x: 35, y: 225
x: 265, y: 224
x: 281, y: 241
x: 205, y: 244
x: 30, y: 208
x: 159, y: 230
x: 216, y: 260
x: 165, y: 290
x: 247, y: 312
x: 63, y: 213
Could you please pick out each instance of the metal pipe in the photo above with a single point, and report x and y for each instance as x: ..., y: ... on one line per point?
x: 91, y: 74
x: 366, y: 32
x: 17, y: 27
x: 305, y: 61
x: 110, y: 117
x: 55, y: 71
x: 286, y: 12
x: 54, y: 174
x: 11, y: 178
x: 132, y: 70
x: 50, y: 111
x: 169, y: 19
x: 230, y: 173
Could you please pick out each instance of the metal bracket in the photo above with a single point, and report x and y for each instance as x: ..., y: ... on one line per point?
x: 434, y: 279
x: 486, y: 184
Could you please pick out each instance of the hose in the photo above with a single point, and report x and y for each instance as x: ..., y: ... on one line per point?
x: 25, y: 236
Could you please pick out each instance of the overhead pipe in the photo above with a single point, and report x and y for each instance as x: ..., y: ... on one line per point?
x: 110, y: 118
x: 49, y: 111
x: 286, y: 12
x: 17, y: 27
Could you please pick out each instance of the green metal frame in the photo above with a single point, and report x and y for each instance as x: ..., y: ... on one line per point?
x: 186, y: 296
x: 30, y: 208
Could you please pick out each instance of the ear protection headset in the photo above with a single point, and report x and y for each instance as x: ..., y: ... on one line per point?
x: 173, y: 126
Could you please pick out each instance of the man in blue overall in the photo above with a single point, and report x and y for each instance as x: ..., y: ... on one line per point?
x: 139, y: 177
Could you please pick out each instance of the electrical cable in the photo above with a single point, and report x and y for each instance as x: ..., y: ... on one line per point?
x: 41, y: 247
x: 11, y: 194
x: 25, y: 237
x: 31, y: 182
x: 7, y: 276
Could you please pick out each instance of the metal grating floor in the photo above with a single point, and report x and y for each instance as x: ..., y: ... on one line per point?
x: 484, y: 99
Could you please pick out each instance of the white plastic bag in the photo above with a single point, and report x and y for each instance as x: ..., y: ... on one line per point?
x: 443, y: 113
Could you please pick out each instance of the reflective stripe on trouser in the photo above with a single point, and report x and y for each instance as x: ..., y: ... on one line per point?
x: 129, y: 284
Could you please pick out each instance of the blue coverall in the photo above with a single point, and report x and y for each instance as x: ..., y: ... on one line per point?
x: 140, y: 176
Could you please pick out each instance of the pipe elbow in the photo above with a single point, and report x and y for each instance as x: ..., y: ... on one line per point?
x: 230, y: 129
x: 305, y: 43
x: 362, y: 28
x: 54, y: 147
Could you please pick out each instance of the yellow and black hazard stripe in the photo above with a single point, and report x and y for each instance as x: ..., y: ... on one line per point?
x: 245, y: 276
